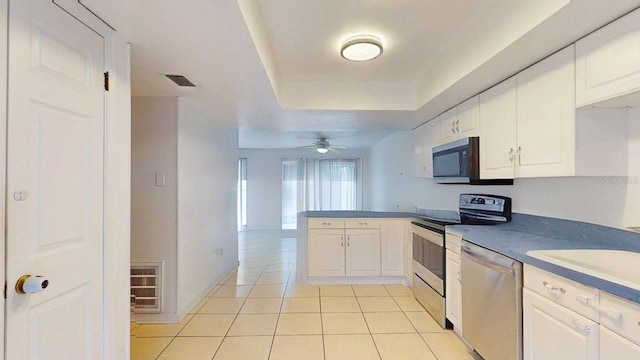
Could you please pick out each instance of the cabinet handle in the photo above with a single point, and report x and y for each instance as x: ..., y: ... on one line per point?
x: 586, y: 329
x: 511, y: 154
x: 458, y: 126
x: 519, y: 152
x: 553, y: 288
x: 326, y: 223
x: 612, y: 313
x: 348, y: 241
x: 341, y: 241
x: 458, y: 277
x: 453, y: 127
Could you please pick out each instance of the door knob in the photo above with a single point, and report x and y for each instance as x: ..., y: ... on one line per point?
x: 28, y: 284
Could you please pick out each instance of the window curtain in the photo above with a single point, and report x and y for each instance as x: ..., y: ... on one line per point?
x: 329, y: 184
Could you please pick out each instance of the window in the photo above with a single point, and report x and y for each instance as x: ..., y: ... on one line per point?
x: 312, y: 184
x: 242, y: 194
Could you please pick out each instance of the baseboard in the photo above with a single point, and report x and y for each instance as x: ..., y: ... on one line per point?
x: 356, y: 280
x: 196, y: 300
x: 155, y: 318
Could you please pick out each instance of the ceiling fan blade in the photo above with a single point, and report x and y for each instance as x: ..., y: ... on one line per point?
x: 307, y: 147
x: 333, y: 149
x: 339, y: 147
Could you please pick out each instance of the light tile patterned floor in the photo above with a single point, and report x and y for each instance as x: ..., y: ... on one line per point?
x: 260, y: 313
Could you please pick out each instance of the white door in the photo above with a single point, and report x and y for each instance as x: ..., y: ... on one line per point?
x: 551, y: 331
x: 54, y: 184
x: 363, y: 252
x: 498, y: 131
x: 546, y: 108
x: 326, y: 252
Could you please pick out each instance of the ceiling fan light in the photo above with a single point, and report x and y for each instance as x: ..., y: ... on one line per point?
x: 361, y: 48
x: 322, y: 150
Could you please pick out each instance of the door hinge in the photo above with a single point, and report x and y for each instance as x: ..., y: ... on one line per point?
x: 106, y: 81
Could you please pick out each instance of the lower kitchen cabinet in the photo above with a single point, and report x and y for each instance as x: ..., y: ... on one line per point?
x: 615, y: 347
x: 362, y: 252
x: 353, y: 250
x: 563, y: 319
x: 339, y: 247
x: 392, y: 237
x: 454, y: 291
x: 326, y: 252
x: 552, y: 331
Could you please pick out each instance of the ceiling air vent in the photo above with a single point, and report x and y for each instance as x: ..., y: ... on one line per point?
x: 180, y: 80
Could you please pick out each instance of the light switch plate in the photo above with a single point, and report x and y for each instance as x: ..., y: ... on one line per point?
x: 160, y: 179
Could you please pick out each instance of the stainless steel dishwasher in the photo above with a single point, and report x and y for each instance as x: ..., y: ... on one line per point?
x: 491, y: 303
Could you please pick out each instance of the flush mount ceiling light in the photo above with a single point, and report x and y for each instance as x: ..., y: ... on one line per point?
x: 361, y: 48
x: 322, y: 150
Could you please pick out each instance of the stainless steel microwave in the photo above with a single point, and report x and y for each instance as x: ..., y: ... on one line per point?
x: 458, y: 162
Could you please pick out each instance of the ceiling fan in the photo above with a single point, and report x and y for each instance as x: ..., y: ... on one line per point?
x: 322, y: 146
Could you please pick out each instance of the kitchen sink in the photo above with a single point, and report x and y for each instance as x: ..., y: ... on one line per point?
x: 617, y: 266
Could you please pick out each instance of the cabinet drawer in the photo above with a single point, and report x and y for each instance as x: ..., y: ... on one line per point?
x: 565, y: 292
x: 362, y: 224
x: 453, y: 242
x: 325, y: 223
x: 621, y: 316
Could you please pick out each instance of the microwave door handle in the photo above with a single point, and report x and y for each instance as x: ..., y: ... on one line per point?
x: 485, y: 262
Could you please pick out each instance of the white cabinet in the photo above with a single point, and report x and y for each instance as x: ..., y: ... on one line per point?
x: 392, y: 237
x: 460, y: 121
x: 529, y: 127
x: 425, y: 138
x: 563, y: 319
x: 343, y: 247
x: 545, y: 131
x: 453, y: 308
x: 326, y: 252
x: 551, y: 331
x: 498, y: 131
x: 608, y: 64
x: 362, y: 252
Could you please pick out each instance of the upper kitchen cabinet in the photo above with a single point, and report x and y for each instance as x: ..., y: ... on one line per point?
x: 529, y: 127
x: 608, y: 65
x: 545, y: 131
x: 460, y: 121
x: 425, y: 137
x: 498, y: 130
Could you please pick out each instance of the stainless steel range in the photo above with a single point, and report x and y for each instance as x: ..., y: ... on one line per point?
x: 429, y: 272
x: 428, y: 267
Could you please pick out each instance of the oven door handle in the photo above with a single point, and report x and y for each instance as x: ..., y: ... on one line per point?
x: 486, y: 262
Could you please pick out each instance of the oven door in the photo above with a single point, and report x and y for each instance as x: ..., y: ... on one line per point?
x: 428, y: 257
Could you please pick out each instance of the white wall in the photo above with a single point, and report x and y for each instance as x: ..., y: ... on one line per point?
x: 264, y: 182
x: 207, y: 182
x: 606, y: 201
x: 186, y: 222
x: 153, y: 208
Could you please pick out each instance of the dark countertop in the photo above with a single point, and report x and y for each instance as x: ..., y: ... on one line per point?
x: 529, y: 232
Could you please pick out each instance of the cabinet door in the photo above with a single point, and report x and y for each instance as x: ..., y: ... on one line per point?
x: 498, y: 130
x: 426, y: 137
x: 550, y: 331
x: 392, y: 235
x: 448, y: 131
x: 608, y: 62
x: 615, y: 347
x: 468, y: 118
x: 454, y: 290
x: 546, y: 117
x: 363, y: 252
x: 326, y: 252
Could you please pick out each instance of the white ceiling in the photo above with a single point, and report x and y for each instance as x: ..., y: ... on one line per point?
x: 272, y: 67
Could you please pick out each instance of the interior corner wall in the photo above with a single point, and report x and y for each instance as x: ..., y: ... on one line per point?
x: 610, y: 201
x: 154, y: 208
x: 264, y: 181
x: 207, y: 190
